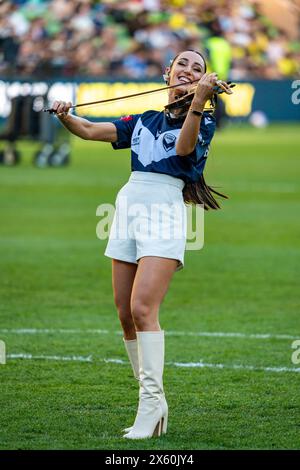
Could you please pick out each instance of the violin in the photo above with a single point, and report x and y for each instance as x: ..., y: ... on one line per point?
x: 184, y: 102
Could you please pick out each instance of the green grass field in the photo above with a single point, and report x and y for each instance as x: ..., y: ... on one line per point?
x: 69, y: 391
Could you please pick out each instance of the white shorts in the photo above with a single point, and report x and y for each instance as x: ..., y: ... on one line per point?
x: 149, y: 220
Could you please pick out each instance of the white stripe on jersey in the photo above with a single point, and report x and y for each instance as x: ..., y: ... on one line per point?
x: 149, y: 148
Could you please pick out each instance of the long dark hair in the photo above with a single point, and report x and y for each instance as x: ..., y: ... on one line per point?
x: 199, y: 192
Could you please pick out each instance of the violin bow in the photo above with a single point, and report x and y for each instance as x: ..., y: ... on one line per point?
x: 217, y: 89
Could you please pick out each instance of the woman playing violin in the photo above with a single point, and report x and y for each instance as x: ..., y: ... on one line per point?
x: 148, y: 235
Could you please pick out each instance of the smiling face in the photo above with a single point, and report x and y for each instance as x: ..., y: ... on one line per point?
x: 187, y: 67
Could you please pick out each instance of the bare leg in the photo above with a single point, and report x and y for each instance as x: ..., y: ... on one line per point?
x: 123, y: 275
x: 150, y: 285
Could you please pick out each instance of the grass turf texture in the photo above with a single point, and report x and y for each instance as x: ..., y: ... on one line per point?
x: 54, y: 275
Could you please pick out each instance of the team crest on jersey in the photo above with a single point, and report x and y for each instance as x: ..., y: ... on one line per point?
x: 168, y: 141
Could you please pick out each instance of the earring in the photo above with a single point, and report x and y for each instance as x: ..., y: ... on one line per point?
x: 166, y: 77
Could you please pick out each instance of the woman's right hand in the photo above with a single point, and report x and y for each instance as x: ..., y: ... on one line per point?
x: 61, y: 108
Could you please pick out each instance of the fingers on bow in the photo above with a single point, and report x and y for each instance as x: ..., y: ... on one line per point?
x: 61, y: 107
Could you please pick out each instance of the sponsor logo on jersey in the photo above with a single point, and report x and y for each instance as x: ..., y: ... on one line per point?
x: 136, y: 140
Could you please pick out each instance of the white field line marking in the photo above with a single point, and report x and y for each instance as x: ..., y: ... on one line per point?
x: 265, y: 187
x: 176, y: 364
x: 51, y: 358
x: 220, y: 334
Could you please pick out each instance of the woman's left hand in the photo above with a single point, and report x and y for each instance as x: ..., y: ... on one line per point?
x: 206, y: 87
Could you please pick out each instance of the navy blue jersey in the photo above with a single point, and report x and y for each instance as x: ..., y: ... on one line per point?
x: 152, y: 138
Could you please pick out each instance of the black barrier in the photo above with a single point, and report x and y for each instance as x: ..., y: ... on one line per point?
x: 26, y: 120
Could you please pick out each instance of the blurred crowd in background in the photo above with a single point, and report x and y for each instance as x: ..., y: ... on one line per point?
x: 137, y: 38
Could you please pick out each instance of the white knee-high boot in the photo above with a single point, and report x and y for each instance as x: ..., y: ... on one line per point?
x: 132, y: 351
x: 152, y: 415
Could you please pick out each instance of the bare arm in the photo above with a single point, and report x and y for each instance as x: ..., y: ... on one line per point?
x: 87, y: 130
x: 190, y: 130
x: 188, y: 136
